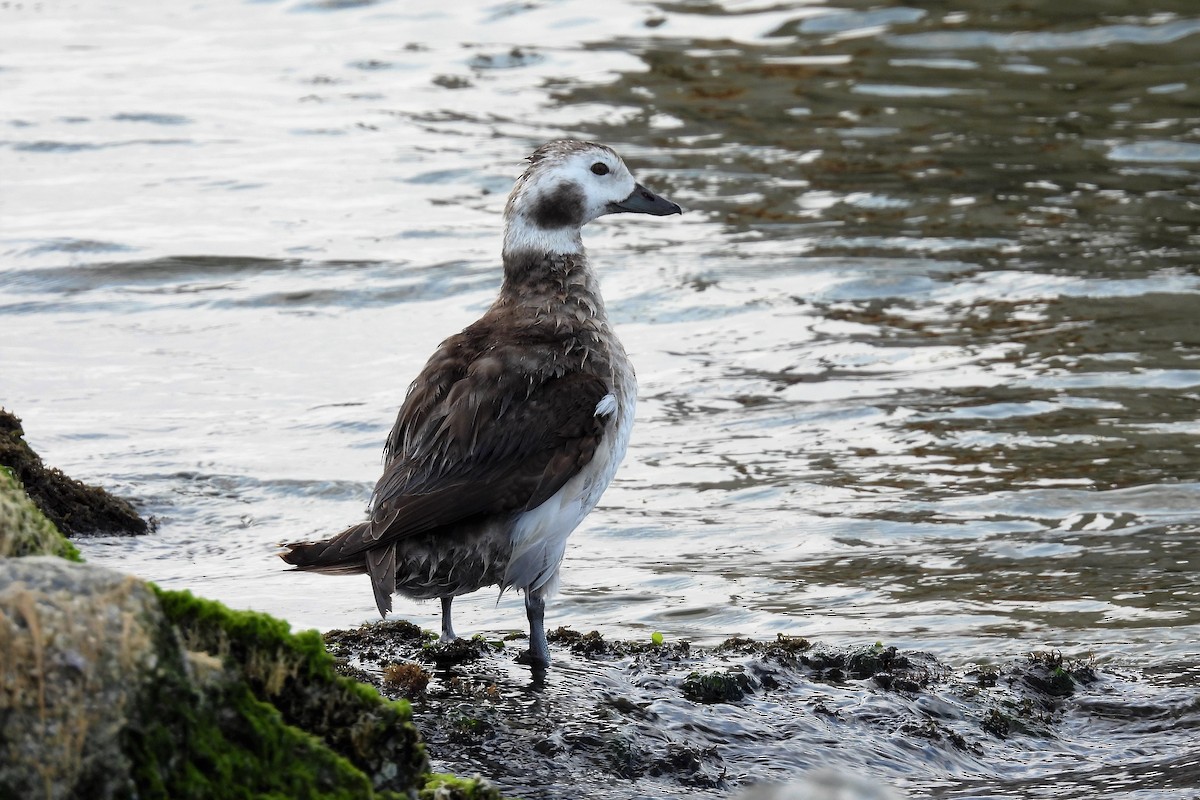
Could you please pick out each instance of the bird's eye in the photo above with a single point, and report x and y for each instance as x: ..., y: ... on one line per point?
x: 600, y: 168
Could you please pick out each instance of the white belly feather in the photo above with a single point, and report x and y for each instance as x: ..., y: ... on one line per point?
x: 539, y: 536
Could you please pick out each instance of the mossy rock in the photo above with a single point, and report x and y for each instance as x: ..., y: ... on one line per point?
x: 112, y: 688
x: 24, y: 529
x: 74, y: 507
x: 295, y: 674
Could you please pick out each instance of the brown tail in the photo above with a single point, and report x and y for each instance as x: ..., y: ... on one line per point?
x: 337, y: 555
x: 349, y: 554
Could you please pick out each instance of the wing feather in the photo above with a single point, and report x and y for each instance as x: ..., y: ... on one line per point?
x: 484, y: 432
x: 496, y: 423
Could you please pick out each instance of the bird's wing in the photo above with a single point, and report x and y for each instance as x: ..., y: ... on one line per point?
x: 491, y: 432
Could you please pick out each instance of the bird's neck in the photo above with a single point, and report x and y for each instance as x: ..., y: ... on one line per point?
x: 550, y: 283
x: 523, y: 235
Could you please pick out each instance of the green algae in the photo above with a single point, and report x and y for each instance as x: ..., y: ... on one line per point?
x: 226, y: 743
x: 441, y: 786
x: 293, y: 673
x: 716, y: 686
x: 24, y: 529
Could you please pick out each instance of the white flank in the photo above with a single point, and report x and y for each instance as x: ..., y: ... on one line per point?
x: 539, y: 536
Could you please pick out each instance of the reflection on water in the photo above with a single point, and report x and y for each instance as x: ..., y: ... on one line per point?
x: 919, y: 364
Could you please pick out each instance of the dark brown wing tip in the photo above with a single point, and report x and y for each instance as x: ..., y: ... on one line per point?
x: 300, y: 554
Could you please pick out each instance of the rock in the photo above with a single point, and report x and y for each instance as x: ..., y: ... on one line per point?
x: 74, y: 507
x: 716, y: 686
x: 620, y: 718
x: 448, y: 787
x: 112, y: 688
x: 286, y: 682
x: 24, y: 529
x: 79, y: 657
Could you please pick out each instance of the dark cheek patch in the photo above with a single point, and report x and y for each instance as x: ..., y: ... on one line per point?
x: 561, y: 208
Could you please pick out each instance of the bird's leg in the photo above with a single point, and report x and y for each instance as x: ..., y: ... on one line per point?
x: 447, y: 628
x: 539, y: 649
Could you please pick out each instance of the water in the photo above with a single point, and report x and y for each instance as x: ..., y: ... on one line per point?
x: 920, y: 364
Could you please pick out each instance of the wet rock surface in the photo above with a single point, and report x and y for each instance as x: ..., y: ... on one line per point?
x: 621, y: 719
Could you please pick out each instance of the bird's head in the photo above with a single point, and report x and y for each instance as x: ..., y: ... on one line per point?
x: 568, y: 184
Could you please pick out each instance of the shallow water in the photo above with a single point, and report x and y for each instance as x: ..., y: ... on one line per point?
x: 920, y: 364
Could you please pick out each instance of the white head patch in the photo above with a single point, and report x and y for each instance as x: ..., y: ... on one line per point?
x: 567, y: 185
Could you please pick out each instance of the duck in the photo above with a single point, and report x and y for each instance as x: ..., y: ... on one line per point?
x: 515, y: 426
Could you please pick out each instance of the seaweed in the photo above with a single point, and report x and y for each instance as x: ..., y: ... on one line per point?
x: 716, y: 687
x: 74, y: 507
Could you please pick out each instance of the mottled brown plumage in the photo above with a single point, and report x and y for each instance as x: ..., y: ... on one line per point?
x: 515, y: 426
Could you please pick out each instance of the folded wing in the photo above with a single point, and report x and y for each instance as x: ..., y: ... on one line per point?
x: 479, y: 435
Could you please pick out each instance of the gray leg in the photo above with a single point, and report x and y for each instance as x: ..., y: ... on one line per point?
x: 447, y: 628
x: 539, y: 649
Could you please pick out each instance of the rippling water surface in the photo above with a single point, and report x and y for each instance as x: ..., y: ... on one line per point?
x: 921, y: 363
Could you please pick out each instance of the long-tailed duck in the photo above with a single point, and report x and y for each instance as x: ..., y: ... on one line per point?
x: 516, y: 425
